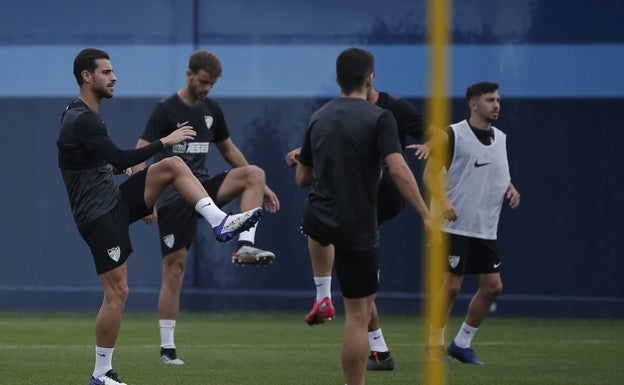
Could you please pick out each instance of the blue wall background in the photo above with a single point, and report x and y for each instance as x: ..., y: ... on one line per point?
x: 562, y: 92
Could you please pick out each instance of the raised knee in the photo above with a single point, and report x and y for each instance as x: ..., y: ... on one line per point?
x: 255, y: 173
x: 174, y: 162
x: 253, y: 176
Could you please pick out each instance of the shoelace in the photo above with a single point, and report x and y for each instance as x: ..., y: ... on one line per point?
x: 113, y: 375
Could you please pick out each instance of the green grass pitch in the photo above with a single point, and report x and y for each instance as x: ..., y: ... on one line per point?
x: 279, y: 348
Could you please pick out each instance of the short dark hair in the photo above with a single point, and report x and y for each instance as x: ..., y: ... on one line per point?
x: 207, y: 61
x: 352, y: 67
x: 85, y: 60
x: 479, y: 89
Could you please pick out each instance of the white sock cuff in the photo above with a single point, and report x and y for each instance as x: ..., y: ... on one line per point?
x: 375, y: 333
x: 249, y: 235
x: 167, y: 323
x: 469, y: 328
x: 376, y: 341
x: 206, y: 201
x: 323, y: 287
x: 101, y: 350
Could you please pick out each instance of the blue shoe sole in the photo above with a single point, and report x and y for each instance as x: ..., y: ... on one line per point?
x: 249, y: 223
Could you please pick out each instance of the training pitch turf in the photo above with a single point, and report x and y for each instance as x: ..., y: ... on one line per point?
x: 279, y: 348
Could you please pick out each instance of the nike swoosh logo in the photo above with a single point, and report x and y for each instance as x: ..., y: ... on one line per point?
x: 101, y: 355
x: 496, y: 265
x: 376, y: 338
x: 477, y: 164
x: 182, y: 124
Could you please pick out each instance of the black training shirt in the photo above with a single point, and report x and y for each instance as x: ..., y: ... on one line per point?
x: 409, y: 121
x: 344, y: 143
x: 206, y: 119
x: 85, y: 155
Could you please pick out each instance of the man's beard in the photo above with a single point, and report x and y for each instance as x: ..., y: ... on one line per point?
x: 103, y: 93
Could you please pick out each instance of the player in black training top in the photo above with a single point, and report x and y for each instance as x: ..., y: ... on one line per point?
x: 103, y: 210
x: 341, y: 159
x: 390, y: 202
x: 177, y: 222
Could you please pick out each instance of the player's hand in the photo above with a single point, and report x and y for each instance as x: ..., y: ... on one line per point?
x: 271, y: 203
x: 420, y: 150
x: 178, y: 136
x: 431, y: 234
x: 151, y: 219
x: 292, y: 158
x: 450, y: 212
x: 127, y: 171
x: 513, y: 195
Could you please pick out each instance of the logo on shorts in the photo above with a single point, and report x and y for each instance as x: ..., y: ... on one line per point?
x: 169, y: 240
x: 114, y: 253
x: 453, y: 261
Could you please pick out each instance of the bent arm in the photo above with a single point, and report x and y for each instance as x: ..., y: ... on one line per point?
x: 304, y: 175
x: 431, y: 178
x: 122, y: 159
x: 140, y: 144
x: 406, y: 183
x: 231, y: 153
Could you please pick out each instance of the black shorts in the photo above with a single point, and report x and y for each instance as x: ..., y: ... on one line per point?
x: 357, y: 272
x: 390, y: 202
x: 468, y: 255
x: 177, y: 222
x: 108, y: 236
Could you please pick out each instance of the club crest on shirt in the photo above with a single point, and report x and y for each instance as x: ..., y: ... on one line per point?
x: 114, y: 253
x: 453, y: 261
x: 169, y: 240
x: 208, y: 120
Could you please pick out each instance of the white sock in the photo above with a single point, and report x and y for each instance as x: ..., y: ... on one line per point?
x: 436, y: 336
x: 323, y: 287
x: 103, y: 361
x: 464, y: 335
x: 167, y: 329
x: 376, y: 341
x: 209, y: 210
x: 249, y: 235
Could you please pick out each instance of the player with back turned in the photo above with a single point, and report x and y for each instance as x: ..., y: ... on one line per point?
x: 341, y: 159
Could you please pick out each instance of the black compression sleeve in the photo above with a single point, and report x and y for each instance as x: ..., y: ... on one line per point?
x: 122, y: 159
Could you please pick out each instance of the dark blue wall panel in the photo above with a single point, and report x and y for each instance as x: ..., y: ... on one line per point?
x: 561, y: 249
x: 561, y: 245
x: 296, y: 22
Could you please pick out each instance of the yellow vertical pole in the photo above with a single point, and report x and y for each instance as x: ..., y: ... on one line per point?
x: 437, y: 112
